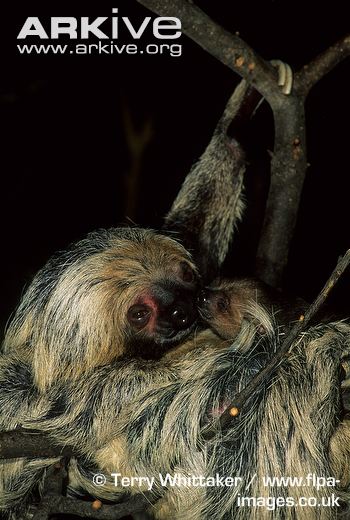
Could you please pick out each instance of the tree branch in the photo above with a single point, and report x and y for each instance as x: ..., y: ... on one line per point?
x: 289, y: 162
x: 228, y: 48
x: 288, y: 167
x: 312, y: 73
x: 137, y: 141
x: 54, y: 505
x: 27, y: 443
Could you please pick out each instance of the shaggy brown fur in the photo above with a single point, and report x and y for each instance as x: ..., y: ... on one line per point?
x: 88, y: 332
x: 104, y: 355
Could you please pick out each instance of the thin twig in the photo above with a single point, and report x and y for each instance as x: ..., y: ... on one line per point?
x: 137, y: 141
x: 312, y: 73
x: 234, y: 409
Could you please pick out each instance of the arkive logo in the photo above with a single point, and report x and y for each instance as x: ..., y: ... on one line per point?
x: 107, y: 31
x: 102, y: 27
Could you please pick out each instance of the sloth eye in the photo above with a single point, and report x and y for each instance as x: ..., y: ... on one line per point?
x: 139, y: 315
x: 187, y: 273
x: 223, y: 304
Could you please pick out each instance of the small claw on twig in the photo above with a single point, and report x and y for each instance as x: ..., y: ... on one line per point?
x: 285, y: 76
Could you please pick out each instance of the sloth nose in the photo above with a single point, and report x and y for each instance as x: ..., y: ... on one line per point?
x: 212, y: 300
x: 203, y: 298
x: 183, y: 315
x: 176, y: 304
x: 204, y: 304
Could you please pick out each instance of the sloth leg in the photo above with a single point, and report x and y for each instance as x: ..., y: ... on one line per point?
x: 210, y: 202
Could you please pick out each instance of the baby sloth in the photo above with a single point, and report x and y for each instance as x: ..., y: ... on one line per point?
x: 225, y: 304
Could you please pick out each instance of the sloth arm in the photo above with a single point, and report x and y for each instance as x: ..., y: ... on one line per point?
x: 210, y: 202
x: 89, y: 413
x: 83, y: 413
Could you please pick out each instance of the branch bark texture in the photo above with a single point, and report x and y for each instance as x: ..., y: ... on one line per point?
x: 228, y: 48
x: 289, y: 162
x: 26, y: 443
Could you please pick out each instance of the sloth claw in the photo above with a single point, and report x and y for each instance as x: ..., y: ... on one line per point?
x: 285, y: 76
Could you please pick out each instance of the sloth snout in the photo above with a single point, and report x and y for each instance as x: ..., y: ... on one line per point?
x: 183, y: 314
x: 176, y: 305
x: 211, y: 302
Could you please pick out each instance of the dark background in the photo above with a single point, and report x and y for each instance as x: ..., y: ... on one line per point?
x: 65, y: 156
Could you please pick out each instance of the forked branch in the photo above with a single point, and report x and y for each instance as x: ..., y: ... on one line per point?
x: 289, y: 159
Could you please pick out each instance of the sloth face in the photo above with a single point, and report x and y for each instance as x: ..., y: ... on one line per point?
x: 223, y: 306
x: 139, y: 291
x: 118, y: 293
x: 226, y: 303
x: 164, y: 312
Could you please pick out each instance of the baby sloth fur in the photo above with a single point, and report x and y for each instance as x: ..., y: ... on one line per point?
x: 226, y: 303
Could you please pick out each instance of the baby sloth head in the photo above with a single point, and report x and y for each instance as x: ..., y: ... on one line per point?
x: 119, y: 292
x: 226, y: 304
